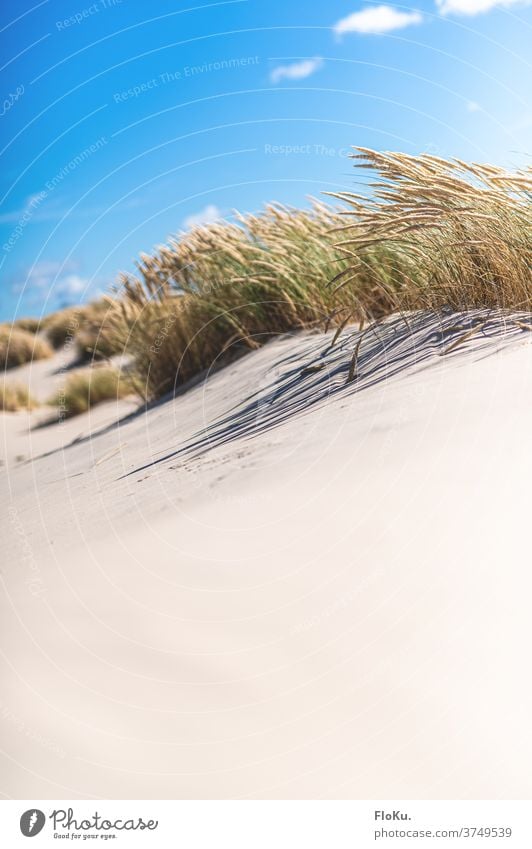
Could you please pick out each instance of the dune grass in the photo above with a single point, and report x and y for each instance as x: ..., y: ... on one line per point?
x: 19, y: 346
x: 14, y: 397
x: 32, y: 325
x: 62, y: 326
x: 430, y: 233
x: 95, y: 339
x: 85, y: 327
x: 466, y: 228
x: 224, y: 289
x: 83, y: 390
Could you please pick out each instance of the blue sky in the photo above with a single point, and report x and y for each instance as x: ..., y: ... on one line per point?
x: 125, y: 122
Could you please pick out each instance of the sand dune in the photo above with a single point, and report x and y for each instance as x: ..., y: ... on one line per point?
x: 281, y: 584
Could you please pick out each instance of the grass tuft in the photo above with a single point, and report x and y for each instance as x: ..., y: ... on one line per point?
x: 15, y: 397
x: 95, y: 339
x: 32, y: 325
x: 83, y: 390
x: 86, y: 327
x: 62, y: 326
x: 19, y: 346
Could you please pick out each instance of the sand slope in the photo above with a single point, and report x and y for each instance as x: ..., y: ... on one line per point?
x: 282, y: 585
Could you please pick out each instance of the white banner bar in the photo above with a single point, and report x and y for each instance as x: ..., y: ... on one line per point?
x: 264, y: 825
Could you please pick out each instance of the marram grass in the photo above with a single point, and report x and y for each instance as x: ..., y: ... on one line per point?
x: 18, y: 347
x: 84, y: 389
x: 226, y: 288
x: 83, y: 327
x: 466, y: 228
x: 431, y: 233
x: 14, y: 397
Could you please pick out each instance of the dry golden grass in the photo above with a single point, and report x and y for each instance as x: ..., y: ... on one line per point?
x: 15, y: 397
x: 19, y: 346
x: 467, y: 229
x: 431, y: 233
x: 62, y: 326
x: 95, y: 339
x: 86, y: 327
x: 32, y: 325
x: 85, y: 389
x: 226, y: 288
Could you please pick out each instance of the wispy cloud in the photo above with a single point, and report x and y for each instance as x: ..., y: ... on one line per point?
x: 71, y: 286
x: 376, y: 20
x: 208, y: 215
x: 52, y: 279
x: 473, y: 106
x: 296, y: 71
x: 29, y: 210
x: 43, y: 273
x: 475, y: 7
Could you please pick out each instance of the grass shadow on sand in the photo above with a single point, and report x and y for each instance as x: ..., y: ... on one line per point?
x: 359, y: 360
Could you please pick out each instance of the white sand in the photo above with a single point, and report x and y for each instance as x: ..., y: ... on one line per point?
x: 329, y: 596
x: 24, y: 436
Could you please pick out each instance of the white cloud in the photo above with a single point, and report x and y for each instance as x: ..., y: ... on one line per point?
x: 42, y: 275
x: 377, y: 20
x: 473, y: 106
x: 296, y: 71
x: 29, y: 210
x: 474, y: 7
x: 71, y: 286
x: 53, y: 279
x: 207, y: 215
